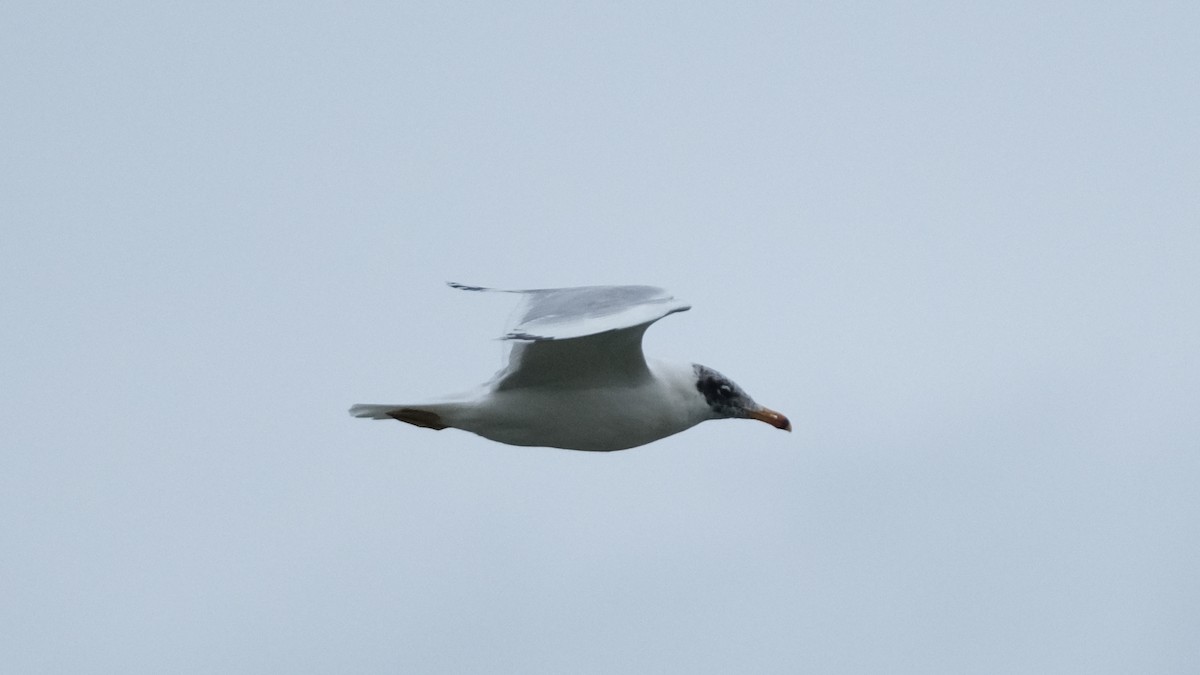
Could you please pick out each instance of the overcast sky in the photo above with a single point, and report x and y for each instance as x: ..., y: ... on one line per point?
x: 956, y: 243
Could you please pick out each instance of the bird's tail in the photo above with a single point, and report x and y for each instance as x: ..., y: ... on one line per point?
x: 421, y: 416
x: 373, y: 411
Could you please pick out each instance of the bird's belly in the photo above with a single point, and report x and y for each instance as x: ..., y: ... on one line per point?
x: 589, y: 419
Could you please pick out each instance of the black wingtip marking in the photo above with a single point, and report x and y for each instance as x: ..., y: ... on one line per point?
x: 419, y: 418
x: 464, y: 287
x: 527, y: 336
x: 467, y: 287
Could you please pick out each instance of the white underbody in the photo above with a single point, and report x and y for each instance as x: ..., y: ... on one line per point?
x: 599, y: 418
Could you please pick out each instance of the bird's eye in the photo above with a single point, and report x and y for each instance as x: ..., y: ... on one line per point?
x: 725, y: 391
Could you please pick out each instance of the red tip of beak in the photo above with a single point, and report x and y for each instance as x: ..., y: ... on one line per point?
x: 771, y: 417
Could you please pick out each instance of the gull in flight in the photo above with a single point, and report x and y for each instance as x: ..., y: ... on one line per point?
x: 576, y: 378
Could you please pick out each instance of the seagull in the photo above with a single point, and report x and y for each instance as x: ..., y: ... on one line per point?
x: 576, y: 378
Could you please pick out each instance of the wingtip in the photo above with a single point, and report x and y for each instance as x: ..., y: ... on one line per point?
x: 527, y: 337
x: 469, y: 287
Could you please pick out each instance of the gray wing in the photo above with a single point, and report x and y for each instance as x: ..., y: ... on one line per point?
x: 586, y: 336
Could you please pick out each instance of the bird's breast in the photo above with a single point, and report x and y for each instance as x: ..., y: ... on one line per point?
x: 580, y: 419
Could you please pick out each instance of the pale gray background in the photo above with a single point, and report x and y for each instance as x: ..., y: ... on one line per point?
x: 956, y: 243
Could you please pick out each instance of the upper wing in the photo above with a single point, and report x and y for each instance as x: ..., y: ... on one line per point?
x: 587, y: 336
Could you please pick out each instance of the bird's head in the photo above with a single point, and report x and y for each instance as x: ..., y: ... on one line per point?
x: 725, y: 399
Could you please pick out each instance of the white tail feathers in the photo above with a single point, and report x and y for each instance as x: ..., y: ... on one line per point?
x: 424, y: 416
x: 373, y: 411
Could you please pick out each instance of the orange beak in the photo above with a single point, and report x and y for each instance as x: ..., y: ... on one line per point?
x: 771, y: 417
